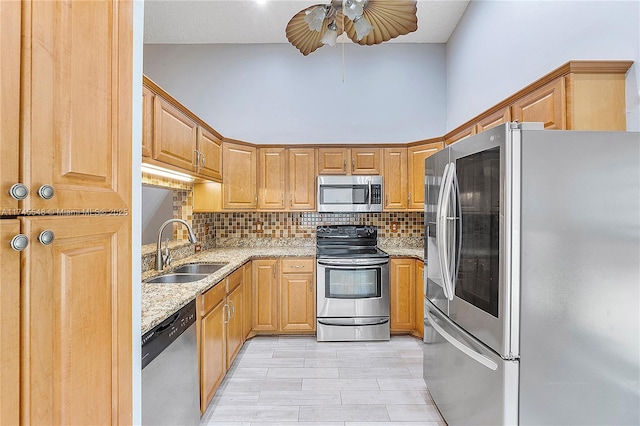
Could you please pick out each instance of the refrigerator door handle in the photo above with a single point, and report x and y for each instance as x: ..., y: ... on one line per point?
x: 443, y: 245
x: 439, y: 227
x: 461, y: 346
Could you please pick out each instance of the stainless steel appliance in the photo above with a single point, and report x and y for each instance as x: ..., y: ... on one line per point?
x: 532, y: 241
x: 350, y: 194
x: 352, y: 284
x: 170, y: 392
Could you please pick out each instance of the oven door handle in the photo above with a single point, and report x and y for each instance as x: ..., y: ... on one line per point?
x: 350, y: 263
x: 361, y: 321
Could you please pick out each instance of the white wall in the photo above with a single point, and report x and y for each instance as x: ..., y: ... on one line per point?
x: 270, y: 93
x: 501, y: 46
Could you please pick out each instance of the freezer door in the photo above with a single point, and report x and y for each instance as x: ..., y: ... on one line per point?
x: 470, y: 384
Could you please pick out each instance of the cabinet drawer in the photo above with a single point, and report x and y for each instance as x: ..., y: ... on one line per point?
x: 234, y: 280
x: 297, y: 265
x: 212, y: 298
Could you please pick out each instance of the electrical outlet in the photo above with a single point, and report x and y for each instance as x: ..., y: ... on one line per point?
x: 206, y: 229
x: 257, y: 227
x: 197, y: 248
x: 394, y: 226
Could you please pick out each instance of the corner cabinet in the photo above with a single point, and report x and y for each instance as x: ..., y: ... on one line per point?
x: 416, y: 155
x: 239, y: 190
x: 75, y: 363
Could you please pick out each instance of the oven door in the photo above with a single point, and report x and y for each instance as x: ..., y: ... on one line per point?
x: 349, y: 288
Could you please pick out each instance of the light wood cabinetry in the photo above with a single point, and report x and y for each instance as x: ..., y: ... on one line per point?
x: 349, y: 161
x: 209, y: 153
x: 212, y: 349
x: 265, y: 281
x: 297, y: 295
x: 239, y: 188
x: 175, y: 136
x: 235, y: 303
x: 402, y: 294
x: 493, y: 120
x: 9, y: 321
x: 65, y: 132
x: 545, y: 105
x: 395, y: 178
x: 302, y: 179
x: 460, y: 133
x: 272, y: 171
x: 416, y: 156
x: 419, y: 298
x: 247, y: 300
x: 284, y: 295
x: 148, y: 98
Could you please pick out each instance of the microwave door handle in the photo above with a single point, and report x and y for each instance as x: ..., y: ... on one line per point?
x: 487, y: 362
x: 369, y: 181
x: 439, y: 226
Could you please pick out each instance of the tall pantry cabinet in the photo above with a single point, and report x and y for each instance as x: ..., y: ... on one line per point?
x: 65, y: 224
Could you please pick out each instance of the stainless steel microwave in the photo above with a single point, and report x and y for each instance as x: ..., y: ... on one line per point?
x: 358, y: 194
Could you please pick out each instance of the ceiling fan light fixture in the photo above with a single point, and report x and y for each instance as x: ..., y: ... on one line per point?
x: 353, y: 8
x: 315, y: 18
x: 330, y: 36
x: 363, y: 27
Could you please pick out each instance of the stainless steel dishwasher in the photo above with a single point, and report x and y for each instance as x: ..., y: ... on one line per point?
x: 170, y: 392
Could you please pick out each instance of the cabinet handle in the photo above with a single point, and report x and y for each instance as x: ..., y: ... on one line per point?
x: 18, y: 191
x: 344, y: 165
x: 228, y: 314
x: 255, y: 197
x: 282, y: 200
x: 408, y: 199
x: 19, y: 242
x: 291, y: 200
x: 195, y: 165
x: 46, y: 192
x: 275, y: 269
x: 386, y: 200
x: 353, y: 165
x: 297, y: 266
x: 233, y: 309
x: 46, y: 237
x: 202, y: 160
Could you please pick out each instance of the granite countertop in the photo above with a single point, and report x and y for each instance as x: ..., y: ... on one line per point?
x: 161, y: 300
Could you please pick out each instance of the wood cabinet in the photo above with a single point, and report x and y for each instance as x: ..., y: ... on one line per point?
x: 460, y: 133
x: 212, y: 342
x: 66, y: 134
x: 272, y: 172
x: 545, y: 105
x: 175, y: 136
x: 395, y: 178
x: 402, y: 274
x: 415, y: 170
x: 493, y: 120
x: 349, y: 161
x: 9, y: 320
x: 148, y: 98
x: 284, y: 295
x: 233, y: 326
x: 266, y: 282
x: 302, y: 179
x: 297, y: 295
x: 419, y: 298
x: 209, y: 154
x: 239, y: 190
x: 247, y: 300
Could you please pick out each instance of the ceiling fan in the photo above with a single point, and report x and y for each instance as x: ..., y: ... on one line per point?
x: 366, y: 22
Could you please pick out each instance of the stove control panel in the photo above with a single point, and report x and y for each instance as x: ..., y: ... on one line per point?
x: 347, y: 231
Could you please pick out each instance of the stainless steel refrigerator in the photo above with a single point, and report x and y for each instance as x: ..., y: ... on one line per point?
x: 532, y: 284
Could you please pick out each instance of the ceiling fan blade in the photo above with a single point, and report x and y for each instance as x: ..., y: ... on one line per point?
x: 304, y: 39
x: 389, y: 18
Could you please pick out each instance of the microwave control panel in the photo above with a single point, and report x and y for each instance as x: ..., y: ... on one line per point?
x: 376, y: 194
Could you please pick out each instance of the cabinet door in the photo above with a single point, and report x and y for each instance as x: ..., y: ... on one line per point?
x: 460, y: 134
x: 272, y: 169
x: 395, y: 178
x: 246, y: 304
x: 420, y: 297
x: 265, y: 294
x: 302, y: 179
x: 417, y: 155
x: 297, y: 302
x: 234, y: 324
x: 239, y: 177
x: 546, y: 105
x: 76, y: 340
x: 147, y: 121
x: 493, y: 120
x: 76, y: 104
x: 403, y: 294
x: 9, y: 321
x: 365, y: 161
x: 333, y: 161
x: 210, y: 148
x: 212, y: 353
x: 9, y: 103
x: 174, y: 136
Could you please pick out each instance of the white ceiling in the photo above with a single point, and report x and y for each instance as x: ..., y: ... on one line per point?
x: 251, y: 21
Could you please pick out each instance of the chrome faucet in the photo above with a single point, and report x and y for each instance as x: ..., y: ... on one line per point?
x: 163, y: 260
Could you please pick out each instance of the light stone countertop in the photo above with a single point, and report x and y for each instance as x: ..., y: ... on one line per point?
x: 161, y: 300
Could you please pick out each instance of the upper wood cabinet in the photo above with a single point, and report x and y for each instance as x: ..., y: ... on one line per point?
x: 493, y: 120
x: 416, y: 156
x: 174, y: 136
x: 148, y: 98
x: 349, y: 161
x: 302, y: 179
x: 209, y: 154
x: 272, y: 172
x: 395, y: 178
x: 239, y: 190
x: 460, y: 134
x: 546, y: 105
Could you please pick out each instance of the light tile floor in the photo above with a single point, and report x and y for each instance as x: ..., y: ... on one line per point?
x: 297, y: 381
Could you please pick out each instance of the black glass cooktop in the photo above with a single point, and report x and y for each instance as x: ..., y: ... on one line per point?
x: 348, y: 241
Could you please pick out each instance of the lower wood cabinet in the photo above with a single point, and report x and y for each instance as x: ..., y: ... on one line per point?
x: 284, y: 295
x: 233, y: 329
x: 247, y: 323
x: 403, y: 294
x: 419, y: 298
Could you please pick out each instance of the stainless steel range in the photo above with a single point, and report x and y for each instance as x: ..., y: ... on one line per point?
x: 352, y: 284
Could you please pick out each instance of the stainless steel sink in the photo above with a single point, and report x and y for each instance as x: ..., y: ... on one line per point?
x: 176, y: 278
x: 198, y: 268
